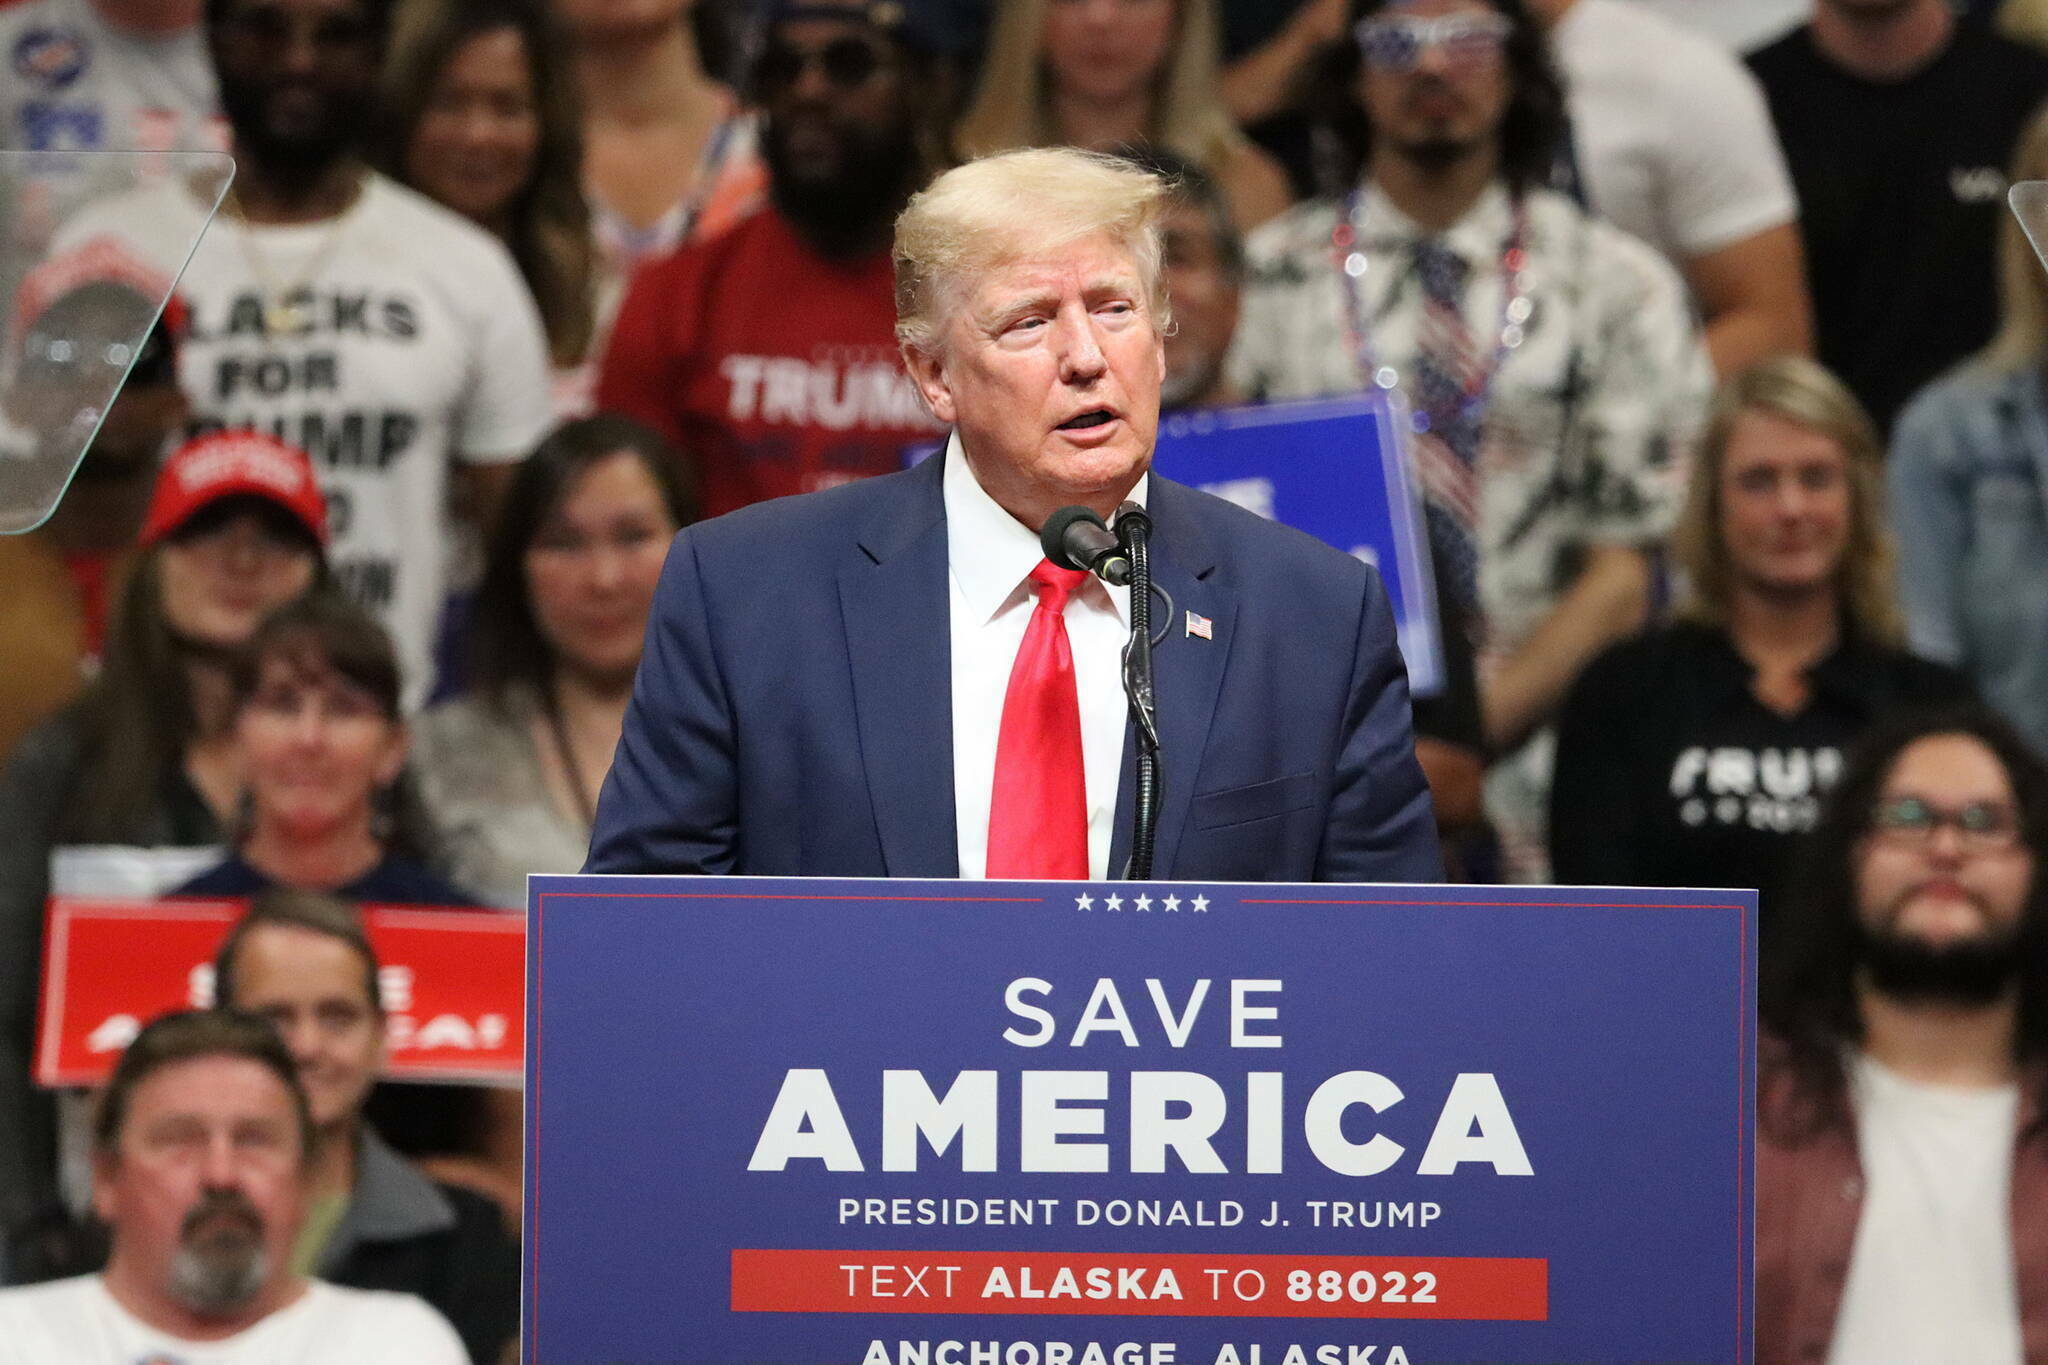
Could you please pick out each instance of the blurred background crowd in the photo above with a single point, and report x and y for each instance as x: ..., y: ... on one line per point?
x: 1724, y: 354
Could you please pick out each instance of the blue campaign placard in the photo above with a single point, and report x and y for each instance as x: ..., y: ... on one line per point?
x: 813, y: 1122
x: 1337, y: 469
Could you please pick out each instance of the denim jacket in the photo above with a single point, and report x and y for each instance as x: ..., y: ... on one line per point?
x: 1969, y: 508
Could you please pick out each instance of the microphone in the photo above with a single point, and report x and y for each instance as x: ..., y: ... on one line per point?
x: 1075, y: 538
x: 1132, y: 518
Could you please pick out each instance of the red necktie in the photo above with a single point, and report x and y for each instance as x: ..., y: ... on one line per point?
x: 1038, y: 809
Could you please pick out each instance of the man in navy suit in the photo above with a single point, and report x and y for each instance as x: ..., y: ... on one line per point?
x: 885, y: 679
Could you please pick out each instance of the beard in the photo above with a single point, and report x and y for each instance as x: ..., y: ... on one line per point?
x: 298, y: 154
x: 841, y: 210
x: 221, y: 1262
x: 1436, y: 153
x: 1969, y: 973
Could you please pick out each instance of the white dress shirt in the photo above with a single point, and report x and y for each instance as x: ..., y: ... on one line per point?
x: 990, y: 556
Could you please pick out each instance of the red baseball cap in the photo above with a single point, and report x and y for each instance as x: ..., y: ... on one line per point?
x: 208, y: 468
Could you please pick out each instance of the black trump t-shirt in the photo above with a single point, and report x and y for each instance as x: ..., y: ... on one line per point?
x: 1670, y: 772
x: 1901, y: 193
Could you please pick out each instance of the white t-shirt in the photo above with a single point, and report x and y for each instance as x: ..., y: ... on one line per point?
x: 1740, y: 25
x: 74, y: 82
x: 77, y: 1322
x: 1673, y: 138
x: 412, y: 339
x: 1931, y: 1277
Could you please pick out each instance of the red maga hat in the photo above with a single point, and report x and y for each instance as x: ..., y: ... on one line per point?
x: 208, y: 468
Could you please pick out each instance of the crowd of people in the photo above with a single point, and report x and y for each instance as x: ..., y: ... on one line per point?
x: 1725, y: 378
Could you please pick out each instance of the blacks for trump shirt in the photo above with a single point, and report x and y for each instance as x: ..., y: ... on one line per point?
x: 1670, y: 772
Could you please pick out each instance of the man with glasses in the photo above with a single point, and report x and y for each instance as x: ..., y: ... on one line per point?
x: 1551, y: 363
x: 768, y: 353
x: 387, y: 337
x: 1902, y: 1152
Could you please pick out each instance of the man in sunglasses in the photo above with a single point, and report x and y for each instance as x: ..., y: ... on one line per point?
x: 1902, y: 1145
x: 1551, y: 364
x: 768, y: 353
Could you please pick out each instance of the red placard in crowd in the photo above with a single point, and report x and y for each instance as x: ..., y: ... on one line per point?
x: 454, y: 984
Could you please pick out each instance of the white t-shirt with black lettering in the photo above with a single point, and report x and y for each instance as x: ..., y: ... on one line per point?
x: 77, y: 1322
x: 1931, y: 1277
x: 384, y: 342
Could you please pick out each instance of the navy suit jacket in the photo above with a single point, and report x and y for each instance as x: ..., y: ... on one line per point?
x: 793, y: 711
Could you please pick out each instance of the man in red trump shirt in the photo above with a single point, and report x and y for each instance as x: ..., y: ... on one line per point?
x: 768, y: 353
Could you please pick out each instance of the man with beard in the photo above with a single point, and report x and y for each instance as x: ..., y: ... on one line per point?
x: 350, y: 317
x: 202, y: 1146
x: 1552, y: 363
x: 1902, y: 1145
x: 768, y: 353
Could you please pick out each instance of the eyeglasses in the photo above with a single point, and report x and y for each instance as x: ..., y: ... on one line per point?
x: 847, y: 62
x: 1984, y: 826
x: 1396, y: 42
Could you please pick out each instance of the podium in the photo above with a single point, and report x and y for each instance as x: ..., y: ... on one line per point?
x: 1026, y: 1123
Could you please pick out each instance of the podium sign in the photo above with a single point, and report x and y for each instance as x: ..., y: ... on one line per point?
x: 801, y: 1122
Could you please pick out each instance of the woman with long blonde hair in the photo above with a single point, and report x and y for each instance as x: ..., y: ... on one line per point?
x: 1694, y: 754
x: 1104, y: 74
x: 1969, y: 490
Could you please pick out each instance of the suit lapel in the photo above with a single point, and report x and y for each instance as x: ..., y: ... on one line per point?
x: 897, y: 609
x: 1187, y: 671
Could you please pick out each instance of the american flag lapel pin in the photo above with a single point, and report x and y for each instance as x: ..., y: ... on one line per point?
x: 1199, y: 627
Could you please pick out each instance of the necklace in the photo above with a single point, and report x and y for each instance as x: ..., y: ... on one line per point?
x: 1348, y: 257
x: 286, y: 310
x: 565, y: 752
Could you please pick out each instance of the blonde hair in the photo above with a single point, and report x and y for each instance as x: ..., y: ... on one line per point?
x: 1017, y: 204
x: 1797, y: 390
x: 2022, y: 283
x: 1012, y: 105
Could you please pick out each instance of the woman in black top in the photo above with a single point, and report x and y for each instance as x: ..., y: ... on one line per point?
x: 328, y: 805
x: 1695, y: 754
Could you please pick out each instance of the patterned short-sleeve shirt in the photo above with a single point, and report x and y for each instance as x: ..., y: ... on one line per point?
x: 1588, y: 422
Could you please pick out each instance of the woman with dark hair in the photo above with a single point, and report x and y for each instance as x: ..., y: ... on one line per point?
x: 328, y: 806
x: 480, y: 114
x: 511, y: 772
x: 1786, y: 650
x: 236, y: 527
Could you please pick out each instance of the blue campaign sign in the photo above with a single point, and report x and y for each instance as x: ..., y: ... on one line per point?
x: 814, y: 1122
x: 1337, y: 469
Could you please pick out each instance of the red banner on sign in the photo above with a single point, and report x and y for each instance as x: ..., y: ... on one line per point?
x: 454, y: 984
x: 1470, y: 1288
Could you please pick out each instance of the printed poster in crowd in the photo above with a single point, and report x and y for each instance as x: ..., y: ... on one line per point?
x: 1336, y: 468
x: 452, y: 982
x: 793, y: 1122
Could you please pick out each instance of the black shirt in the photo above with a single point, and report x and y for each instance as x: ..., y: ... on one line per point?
x: 1901, y: 194
x: 1671, y: 773
x: 391, y: 882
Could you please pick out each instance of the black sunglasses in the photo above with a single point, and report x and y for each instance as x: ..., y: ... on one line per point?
x: 847, y: 63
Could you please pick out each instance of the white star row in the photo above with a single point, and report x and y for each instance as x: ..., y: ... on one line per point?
x: 1199, y: 904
